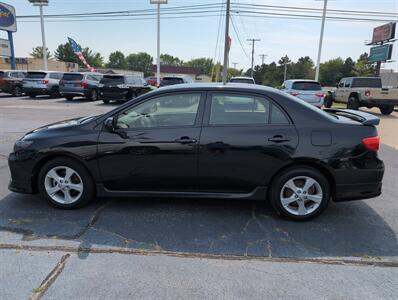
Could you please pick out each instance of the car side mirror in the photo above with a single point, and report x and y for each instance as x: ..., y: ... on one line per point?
x: 109, y: 124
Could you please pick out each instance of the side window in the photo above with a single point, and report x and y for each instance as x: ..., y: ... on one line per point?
x: 14, y: 74
x: 347, y: 83
x: 129, y: 80
x: 341, y: 83
x: 164, y: 111
x: 277, y: 116
x: 238, y: 110
x: 92, y: 78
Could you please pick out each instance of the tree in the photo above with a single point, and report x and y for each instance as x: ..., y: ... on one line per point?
x: 64, y: 52
x: 303, y: 68
x: 140, y: 62
x: 205, y: 64
x: 169, y: 60
x: 363, y: 67
x: 348, y: 67
x: 331, y: 71
x: 37, y: 52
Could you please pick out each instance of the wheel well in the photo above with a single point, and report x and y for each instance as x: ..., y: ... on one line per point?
x: 312, y: 164
x: 354, y: 95
x: 39, y: 165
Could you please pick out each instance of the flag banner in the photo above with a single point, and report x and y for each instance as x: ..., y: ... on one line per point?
x: 78, y: 51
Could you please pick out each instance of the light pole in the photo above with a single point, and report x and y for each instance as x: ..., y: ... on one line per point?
x: 226, y: 43
x: 158, y: 2
x: 42, y: 3
x: 253, y: 41
x: 318, y: 61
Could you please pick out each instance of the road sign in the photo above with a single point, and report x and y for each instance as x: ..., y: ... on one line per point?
x: 5, y: 48
x: 383, y: 33
x: 8, y: 21
x: 380, y: 53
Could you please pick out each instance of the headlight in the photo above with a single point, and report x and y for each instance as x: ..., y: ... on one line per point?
x: 20, y: 145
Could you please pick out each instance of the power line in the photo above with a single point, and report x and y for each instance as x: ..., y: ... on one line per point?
x: 237, y: 36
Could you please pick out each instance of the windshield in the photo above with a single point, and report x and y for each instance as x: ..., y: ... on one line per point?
x: 36, y: 75
x: 112, y: 80
x: 366, y: 82
x: 242, y: 80
x: 306, y: 86
x: 72, y: 77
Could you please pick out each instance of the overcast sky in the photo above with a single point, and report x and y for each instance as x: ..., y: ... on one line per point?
x: 196, y: 37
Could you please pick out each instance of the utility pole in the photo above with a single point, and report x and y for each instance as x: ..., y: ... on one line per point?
x: 263, y: 56
x: 235, y: 64
x: 253, y: 41
x: 285, y: 72
x: 318, y: 61
x: 226, y: 43
x: 42, y: 3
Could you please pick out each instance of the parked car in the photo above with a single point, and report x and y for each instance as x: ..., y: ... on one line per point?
x: 152, y: 80
x: 226, y: 141
x: 242, y: 79
x: 11, y: 82
x: 307, y: 90
x: 364, y: 91
x: 42, y: 83
x: 80, y: 84
x: 122, y: 87
x: 171, y: 80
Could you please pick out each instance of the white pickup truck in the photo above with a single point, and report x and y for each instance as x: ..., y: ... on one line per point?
x: 364, y: 91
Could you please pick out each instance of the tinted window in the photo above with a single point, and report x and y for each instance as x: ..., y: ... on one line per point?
x: 242, y: 80
x: 238, y: 110
x: 277, y: 116
x: 2, y: 74
x: 306, y: 86
x: 72, y: 77
x: 166, y: 111
x: 112, y: 79
x: 366, y: 82
x: 171, y: 81
x: 341, y: 83
x: 36, y: 75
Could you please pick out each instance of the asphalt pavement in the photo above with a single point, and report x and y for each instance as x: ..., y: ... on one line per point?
x: 196, y: 249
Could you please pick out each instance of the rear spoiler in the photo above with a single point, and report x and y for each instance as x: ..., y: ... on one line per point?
x: 356, y: 115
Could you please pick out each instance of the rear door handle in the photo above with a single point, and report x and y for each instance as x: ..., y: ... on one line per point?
x: 278, y: 139
x: 185, y: 140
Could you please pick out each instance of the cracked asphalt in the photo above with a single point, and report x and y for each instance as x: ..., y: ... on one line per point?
x: 169, y: 248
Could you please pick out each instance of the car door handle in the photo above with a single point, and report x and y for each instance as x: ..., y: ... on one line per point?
x: 278, y: 139
x: 185, y: 140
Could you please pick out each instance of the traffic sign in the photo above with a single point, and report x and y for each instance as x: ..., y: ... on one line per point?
x: 380, y: 53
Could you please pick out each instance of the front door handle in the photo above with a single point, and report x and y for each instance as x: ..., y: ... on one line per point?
x: 185, y: 140
x: 278, y: 139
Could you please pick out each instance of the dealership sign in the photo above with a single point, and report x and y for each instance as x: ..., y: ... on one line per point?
x: 383, y: 33
x: 380, y: 53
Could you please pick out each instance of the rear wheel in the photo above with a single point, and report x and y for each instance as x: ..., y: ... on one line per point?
x: 353, y: 103
x: 93, y: 95
x: 69, y: 98
x: 17, y: 92
x: 106, y: 101
x: 31, y: 95
x: 328, y: 101
x: 55, y: 92
x: 300, y: 193
x: 386, y: 109
x: 65, y: 183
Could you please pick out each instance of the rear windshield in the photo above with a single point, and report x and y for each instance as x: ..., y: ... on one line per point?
x: 2, y: 74
x: 366, y: 82
x: 36, y: 75
x: 72, y: 77
x: 112, y: 79
x: 306, y: 86
x: 170, y: 81
x: 242, y: 80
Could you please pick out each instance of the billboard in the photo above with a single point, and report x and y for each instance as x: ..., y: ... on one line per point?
x: 380, y: 53
x: 383, y: 33
x: 8, y: 21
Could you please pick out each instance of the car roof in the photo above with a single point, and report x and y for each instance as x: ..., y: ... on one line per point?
x: 304, y: 80
x: 242, y: 77
x: 42, y: 71
x: 218, y: 86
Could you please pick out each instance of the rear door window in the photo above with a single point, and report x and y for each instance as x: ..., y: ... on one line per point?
x: 306, y: 86
x: 366, y: 82
x: 72, y: 77
x: 112, y: 80
x: 36, y: 75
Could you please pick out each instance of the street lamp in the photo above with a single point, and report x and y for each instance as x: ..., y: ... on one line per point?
x: 42, y: 3
x: 158, y: 2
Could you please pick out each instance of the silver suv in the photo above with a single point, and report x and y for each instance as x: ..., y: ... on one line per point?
x: 307, y: 90
x: 80, y: 84
x: 42, y: 83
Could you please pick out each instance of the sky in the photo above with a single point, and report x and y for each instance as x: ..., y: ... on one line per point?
x: 197, y: 37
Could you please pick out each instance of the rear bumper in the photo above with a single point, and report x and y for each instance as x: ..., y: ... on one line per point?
x: 37, y: 91
x: 348, y: 192
x: 377, y: 102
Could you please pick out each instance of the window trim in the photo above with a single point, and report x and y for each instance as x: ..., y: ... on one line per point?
x: 206, y: 117
x: 198, y: 119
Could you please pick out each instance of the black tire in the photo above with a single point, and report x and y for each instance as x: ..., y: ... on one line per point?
x: 87, y: 181
x: 55, y: 92
x: 17, y: 91
x: 69, y: 98
x: 31, y: 95
x: 297, y: 172
x: 353, y: 103
x: 106, y: 101
x: 386, y: 109
x: 94, y: 95
x: 328, y: 101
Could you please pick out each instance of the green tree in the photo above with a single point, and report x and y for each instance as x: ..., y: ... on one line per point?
x: 303, y: 68
x: 169, y: 60
x: 140, y: 62
x: 363, y: 67
x: 206, y: 64
x: 348, y: 67
x: 37, y: 52
x: 331, y: 71
x: 64, y: 52
x: 116, y: 60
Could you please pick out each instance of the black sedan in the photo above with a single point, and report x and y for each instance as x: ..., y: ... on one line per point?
x: 233, y: 141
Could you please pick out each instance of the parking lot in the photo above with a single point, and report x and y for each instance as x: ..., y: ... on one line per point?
x: 359, y: 233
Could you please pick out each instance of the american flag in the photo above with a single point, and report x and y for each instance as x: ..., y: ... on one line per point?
x: 78, y: 51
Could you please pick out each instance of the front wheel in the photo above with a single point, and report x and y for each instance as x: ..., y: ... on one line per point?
x: 65, y: 183
x: 17, y: 92
x: 328, y: 101
x: 69, y: 98
x: 386, y: 109
x: 353, y: 103
x: 106, y: 101
x: 300, y: 193
x: 93, y: 95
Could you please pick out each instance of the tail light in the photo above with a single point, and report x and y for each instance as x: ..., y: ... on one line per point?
x: 45, y: 81
x: 371, y: 143
x: 320, y: 95
x: 294, y: 93
x: 83, y: 83
x: 367, y: 93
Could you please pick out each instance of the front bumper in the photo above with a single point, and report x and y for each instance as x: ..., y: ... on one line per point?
x: 21, y: 170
